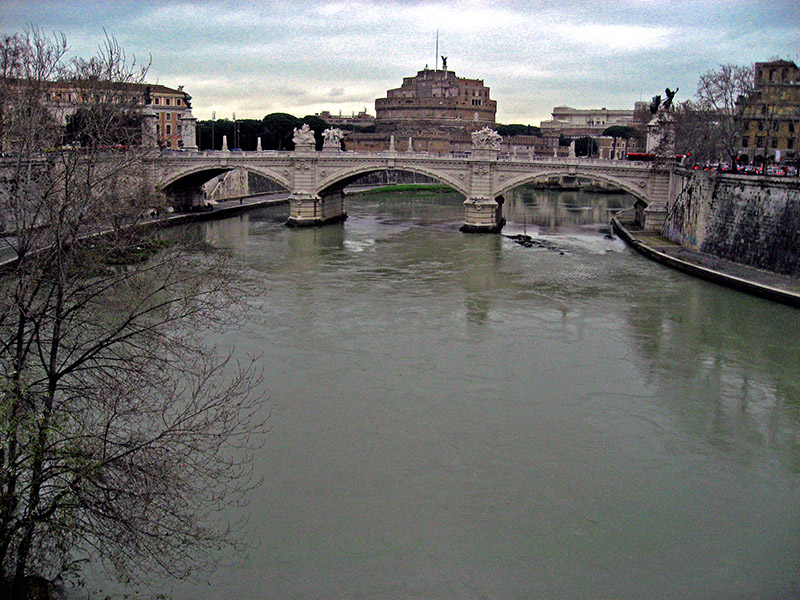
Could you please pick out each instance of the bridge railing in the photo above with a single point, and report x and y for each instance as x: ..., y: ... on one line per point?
x: 455, y: 156
x: 223, y: 153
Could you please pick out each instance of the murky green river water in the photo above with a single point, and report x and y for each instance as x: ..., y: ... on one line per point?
x: 458, y: 416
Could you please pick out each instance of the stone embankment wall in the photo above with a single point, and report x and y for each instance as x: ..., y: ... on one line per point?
x: 754, y: 221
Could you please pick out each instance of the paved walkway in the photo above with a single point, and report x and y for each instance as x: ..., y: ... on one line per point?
x: 778, y: 288
x: 227, y: 208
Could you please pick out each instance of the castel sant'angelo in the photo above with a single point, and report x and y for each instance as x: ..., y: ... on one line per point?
x: 435, y: 109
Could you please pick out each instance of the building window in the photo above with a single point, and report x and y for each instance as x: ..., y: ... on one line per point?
x: 169, y: 129
x: 166, y: 101
x: 759, y: 141
x: 774, y: 142
x: 745, y: 142
x: 761, y: 125
x: 791, y: 127
x: 177, y: 101
x: 158, y: 101
x: 790, y: 143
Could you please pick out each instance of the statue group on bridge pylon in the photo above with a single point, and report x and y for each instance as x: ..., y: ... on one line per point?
x: 332, y: 140
x: 486, y: 139
x: 304, y: 137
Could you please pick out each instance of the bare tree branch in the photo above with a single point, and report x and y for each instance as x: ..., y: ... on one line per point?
x: 121, y: 427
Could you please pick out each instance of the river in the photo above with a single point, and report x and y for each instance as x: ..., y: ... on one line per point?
x: 459, y: 416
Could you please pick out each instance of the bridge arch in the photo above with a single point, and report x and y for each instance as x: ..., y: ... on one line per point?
x: 636, y: 187
x: 197, y: 175
x: 343, y: 177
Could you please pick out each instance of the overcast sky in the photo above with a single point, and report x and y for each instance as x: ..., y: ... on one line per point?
x: 255, y: 58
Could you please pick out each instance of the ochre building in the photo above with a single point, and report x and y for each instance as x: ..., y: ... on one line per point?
x: 771, y: 114
x: 171, y: 109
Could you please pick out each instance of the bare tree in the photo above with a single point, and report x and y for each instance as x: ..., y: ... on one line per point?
x: 719, y: 93
x: 123, y: 433
x: 696, y: 133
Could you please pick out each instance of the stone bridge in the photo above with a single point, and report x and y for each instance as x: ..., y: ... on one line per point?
x: 315, y: 180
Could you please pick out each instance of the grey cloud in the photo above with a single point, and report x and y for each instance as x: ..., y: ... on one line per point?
x: 281, y: 55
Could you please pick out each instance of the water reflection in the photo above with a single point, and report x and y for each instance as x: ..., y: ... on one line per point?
x: 555, y: 210
x: 724, y: 364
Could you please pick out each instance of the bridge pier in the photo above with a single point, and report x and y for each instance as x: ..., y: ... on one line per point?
x: 483, y: 215
x: 309, y: 210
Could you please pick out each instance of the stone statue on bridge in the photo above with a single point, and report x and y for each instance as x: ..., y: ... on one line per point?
x: 656, y: 105
x: 303, y: 137
x: 661, y: 128
x: 332, y: 140
x: 670, y: 95
x: 486, y: 139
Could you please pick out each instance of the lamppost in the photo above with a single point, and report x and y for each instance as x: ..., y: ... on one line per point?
x: 235, y: 132
x: 213, y: 121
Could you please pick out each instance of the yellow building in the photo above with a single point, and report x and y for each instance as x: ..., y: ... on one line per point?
x: 771, y: 114
x: 171, y: 107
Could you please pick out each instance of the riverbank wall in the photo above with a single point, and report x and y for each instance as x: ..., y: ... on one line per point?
x: 753, y: 221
